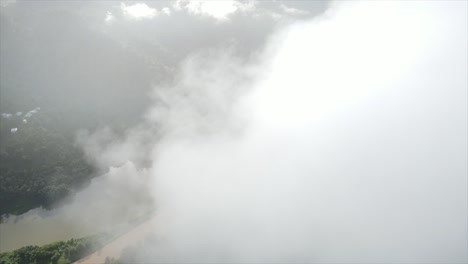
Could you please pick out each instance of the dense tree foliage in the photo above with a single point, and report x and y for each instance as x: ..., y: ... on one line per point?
x: 39, y: 163
x: 61, y: 252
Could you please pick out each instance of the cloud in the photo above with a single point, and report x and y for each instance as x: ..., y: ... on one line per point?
x: 219, y: 10
x: 344, y: 140
x: 293, y: 11
x: 109, y: 17
x: 346, y: 157
x: 166, y: 10
x: 138, y: 11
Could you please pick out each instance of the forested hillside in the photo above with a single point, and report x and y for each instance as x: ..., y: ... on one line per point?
x: 39, y: 162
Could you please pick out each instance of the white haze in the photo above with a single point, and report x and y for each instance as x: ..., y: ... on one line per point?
x: 343, y: 141
x: 355, y: 148
x: 109, y: 204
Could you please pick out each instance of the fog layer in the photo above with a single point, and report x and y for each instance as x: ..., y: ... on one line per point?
x: 343, y: 140
x: 354, y: 149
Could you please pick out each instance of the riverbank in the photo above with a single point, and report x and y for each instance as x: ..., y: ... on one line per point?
x: 113, y: 250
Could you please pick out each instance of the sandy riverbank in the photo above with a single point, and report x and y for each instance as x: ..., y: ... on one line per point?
x: 114, y: 248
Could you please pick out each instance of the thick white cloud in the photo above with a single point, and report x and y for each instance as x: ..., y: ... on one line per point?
x: 138, y: 11
x: 219, y: 10
x: 356, y: 152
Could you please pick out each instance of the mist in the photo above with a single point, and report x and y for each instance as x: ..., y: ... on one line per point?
x: 341, y: 138
x: 355, y: 150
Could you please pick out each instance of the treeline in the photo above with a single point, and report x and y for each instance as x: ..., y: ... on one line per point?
x: 39, y: 164
x: 62, y: 252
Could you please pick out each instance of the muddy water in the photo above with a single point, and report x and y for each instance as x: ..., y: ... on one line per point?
x: 112, y: 201
x: 38, y: 227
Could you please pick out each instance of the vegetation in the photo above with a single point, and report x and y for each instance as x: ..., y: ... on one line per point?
x: 62, y: 252
x: 75, y: 87
x: 39, y: 164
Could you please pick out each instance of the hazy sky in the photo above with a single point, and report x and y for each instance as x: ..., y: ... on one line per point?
x: 88, y: 49
x: 270, y: 131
